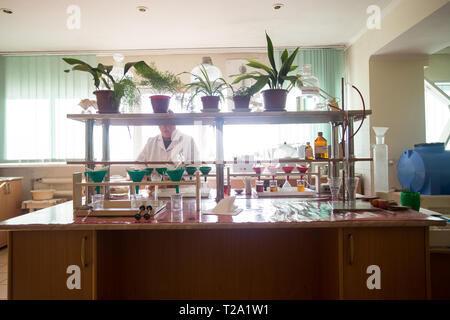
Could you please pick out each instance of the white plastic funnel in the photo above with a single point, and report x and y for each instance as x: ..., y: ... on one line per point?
x: 380, y: 132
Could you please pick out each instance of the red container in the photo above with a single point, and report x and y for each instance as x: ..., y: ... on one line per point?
x: 302, y: 169
x: 210, y: 102
x: 258, y: 170
x: 106, y: 101
x: 288, y: 169
x: 160, y: 103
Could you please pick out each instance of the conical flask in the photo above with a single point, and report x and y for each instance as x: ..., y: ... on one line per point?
x: 380, y: 161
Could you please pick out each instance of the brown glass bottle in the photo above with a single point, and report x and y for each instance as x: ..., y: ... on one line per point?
x: 321, y: 147
x: 309, y: 151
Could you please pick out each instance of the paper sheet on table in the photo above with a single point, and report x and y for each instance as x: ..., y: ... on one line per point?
x: 225, y: 207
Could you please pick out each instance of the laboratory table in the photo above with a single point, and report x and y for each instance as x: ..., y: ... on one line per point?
x: 273, y: 249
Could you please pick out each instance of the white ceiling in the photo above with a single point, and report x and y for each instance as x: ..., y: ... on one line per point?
x: 427, y: 37
x: 116, y: 25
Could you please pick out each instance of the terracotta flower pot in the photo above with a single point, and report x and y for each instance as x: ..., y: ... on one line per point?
x: 210, y: 102
x: 274, y: 99
x: 160, y: 103
x: 241, y: 102
x: 106, y: 101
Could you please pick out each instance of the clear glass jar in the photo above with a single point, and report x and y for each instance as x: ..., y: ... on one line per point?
x: 273, y: 186
x: 97, y: 201
x: 259, y: 186
x: 301, y: 185
x: 176, y: 202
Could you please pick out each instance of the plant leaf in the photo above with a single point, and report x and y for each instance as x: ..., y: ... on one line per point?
x: 262, y: 81
x: 129, y: 65
x: 73, y: 61
x: 270, y: 53
x: 284, y: 56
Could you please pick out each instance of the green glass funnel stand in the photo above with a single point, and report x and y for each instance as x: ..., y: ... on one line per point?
x: 162, y: 172
x: 148, y: 173
x: 97, y: 177
x: 175, y: 176
x: 205, y: 171
x: 191, y: 171
x: 137, y: 176
x: 176, y: 200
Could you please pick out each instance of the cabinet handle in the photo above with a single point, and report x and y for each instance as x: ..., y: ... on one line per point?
x: 83, y: 251
x: 351, y: 245
x: 9, y: 188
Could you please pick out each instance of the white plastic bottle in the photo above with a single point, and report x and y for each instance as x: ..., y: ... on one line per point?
x: 380, y: 161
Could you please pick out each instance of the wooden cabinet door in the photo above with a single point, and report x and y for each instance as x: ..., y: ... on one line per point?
x: 14, y: 199
x: 4, y: 211
x: 43, y: 261
x: 401, y: 255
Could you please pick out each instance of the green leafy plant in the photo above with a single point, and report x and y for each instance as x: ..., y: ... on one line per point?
x: 124, y: 87
x: 160, y: 82
x: 271, y: 75
x: 244, y: 91
x: 204, y: 86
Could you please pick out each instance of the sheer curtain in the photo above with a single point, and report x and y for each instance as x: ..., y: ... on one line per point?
x: 37, y: 96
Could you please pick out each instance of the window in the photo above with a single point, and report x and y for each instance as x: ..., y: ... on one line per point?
x: 437, y: 112
x: 38, y: 96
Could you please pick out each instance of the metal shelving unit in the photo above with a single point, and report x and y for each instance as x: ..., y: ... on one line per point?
x: 218, y: 120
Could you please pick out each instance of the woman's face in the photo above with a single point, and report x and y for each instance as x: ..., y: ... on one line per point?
x: 166, y: 131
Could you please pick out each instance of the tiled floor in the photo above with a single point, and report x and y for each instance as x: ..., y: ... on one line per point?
x: 3, y: 272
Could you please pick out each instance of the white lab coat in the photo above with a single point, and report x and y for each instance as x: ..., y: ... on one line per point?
x: 182, y: 144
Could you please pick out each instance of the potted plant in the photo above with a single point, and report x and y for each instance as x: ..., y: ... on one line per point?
x: 242, y: 96
x: 211, y: 90
x: 275, y: 97
x: 108, y: 101
x: 160, y: 82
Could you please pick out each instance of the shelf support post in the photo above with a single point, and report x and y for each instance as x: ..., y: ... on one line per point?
x: 334, y: 170
x: 89, y: 152
x: 106, y: 153
x: 219, y: 160
x: 349, y: 154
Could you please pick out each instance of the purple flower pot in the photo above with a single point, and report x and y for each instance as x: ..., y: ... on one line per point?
x: 210, y: 102
x: 160, y: 103
x: 241, y: 102
x: 106, y: 101
x: 274, y: 99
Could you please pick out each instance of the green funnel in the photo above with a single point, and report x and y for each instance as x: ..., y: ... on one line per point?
x: 176, y: 175
x: 162, y: 172
x: 148, y: 173
x: 191, y: 171
x: 137, y: 176
x: 96, y: 176
x: 205, y: 171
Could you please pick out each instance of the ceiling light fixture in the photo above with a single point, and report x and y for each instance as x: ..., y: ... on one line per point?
x: 142, y: 9
x: 277, y: 6
x: 7, y: 11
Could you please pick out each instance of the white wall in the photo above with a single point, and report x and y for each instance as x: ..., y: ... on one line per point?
x: 358, y: 71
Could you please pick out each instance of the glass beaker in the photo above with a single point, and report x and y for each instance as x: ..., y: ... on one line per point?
x: 300, y: 185
x: 335, y: 185
x: 97, y: 201
x: 176, y: 202
x: 259, y: 186
x: 351, y: 184
x: 273, y: 186
x: 136, y: 200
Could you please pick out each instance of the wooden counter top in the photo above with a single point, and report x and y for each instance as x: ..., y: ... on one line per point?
x: 257, y: 213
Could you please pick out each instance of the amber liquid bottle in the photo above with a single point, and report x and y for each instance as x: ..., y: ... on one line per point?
x: 321, y: 147
x: 309, y: 152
